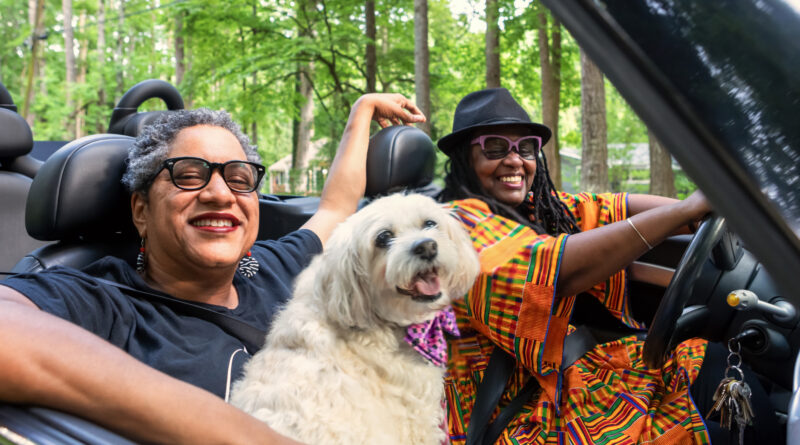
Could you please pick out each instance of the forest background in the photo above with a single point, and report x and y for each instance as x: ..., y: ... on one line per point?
x: 288, y: 72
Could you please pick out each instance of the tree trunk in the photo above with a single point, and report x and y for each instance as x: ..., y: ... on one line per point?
x: 119, y: 54
x: 304, y: 125
x: 101, y: 59
x: 69, y: 64
x: 83, y: 55
x: 594, y: 159
x: 254, y: 125
x: 662, y: 179
x: 384, y: 41
x: 550, y: 60
x: 180, y: 67
x: 422, y: 81
x: 188, y: 99
x: 35, y: 15
x: 371, y: 58
x: 492, y: 44
x: 305, y: 131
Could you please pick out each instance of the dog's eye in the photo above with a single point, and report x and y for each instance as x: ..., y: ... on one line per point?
x: 384, y: 238
x: 429, y: 224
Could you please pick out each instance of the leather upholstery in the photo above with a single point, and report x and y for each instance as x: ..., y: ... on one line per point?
x: 17, y: 139
x: 77, y: 199
x: 14, y: 239
x: 16, y: 170
x: 125, y: 119
x: 133, y: 124
x: 78, y: 194
x: 6, y: 101
x: 399, y: 158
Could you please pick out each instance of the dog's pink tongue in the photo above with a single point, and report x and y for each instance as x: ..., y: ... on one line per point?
x: 427, y: 284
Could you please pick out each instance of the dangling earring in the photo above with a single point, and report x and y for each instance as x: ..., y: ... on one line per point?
x: 248, y: 266
x: 140, y: 259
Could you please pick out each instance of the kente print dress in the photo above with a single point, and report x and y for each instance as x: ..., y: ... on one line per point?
x: 608, y: 396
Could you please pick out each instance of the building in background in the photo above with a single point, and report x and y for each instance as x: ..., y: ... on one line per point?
x: 315, y: 174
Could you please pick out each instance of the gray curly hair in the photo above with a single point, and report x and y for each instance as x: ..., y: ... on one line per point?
x: 152, y: 147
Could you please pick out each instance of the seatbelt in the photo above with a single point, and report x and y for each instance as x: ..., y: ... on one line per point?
x: 491, y: 388
x: 250, y: 336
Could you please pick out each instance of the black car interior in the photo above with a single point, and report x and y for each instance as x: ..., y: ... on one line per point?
x: 727, y: 112
x: 75, y: 211
x: 17, y: 169
x: 128, y: 120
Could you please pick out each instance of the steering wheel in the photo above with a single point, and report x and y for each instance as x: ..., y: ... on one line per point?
x: 662, y: 330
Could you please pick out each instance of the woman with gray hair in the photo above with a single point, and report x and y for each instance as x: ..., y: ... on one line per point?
x: 141, y: 367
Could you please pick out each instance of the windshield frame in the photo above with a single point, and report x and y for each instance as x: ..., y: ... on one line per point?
x: 703, y: 156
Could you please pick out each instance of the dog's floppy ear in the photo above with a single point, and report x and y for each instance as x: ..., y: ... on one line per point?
x: 469, y: 266
x: 342, y: 280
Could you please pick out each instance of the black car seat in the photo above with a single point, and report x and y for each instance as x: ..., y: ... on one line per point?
x: 126, y: 118
x: 77, y: 202
x: 399, y: 158
x: 17, y: 169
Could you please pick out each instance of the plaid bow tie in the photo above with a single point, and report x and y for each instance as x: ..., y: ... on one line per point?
x: 428, y: 337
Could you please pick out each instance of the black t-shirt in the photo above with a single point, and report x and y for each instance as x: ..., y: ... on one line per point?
x: 188, y: 348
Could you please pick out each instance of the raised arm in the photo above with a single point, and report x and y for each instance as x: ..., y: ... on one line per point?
x: 347, y: 178
x: 592, y: 256
x: 50, y: 362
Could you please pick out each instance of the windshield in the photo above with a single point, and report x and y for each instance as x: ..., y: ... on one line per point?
x: 738, y: 65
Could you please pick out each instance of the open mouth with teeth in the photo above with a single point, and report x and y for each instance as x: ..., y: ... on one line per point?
x: 512, y: 179
x: 215, y: 222
x: 424, y: 287
x: 212, y: 223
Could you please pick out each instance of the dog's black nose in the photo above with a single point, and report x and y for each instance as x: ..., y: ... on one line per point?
x: 425, y: 249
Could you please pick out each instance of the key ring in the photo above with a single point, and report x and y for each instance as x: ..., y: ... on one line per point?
x: 734, y: 358
x: 734, y: 342
x: 738, y: 369
x: 738, y: 360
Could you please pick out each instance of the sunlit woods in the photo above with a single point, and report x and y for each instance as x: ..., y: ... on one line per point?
x: 289, y: 70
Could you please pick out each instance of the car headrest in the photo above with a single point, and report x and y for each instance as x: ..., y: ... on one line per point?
x: 132, y: 125
x: 6, y: 101
x: 126, y: 119
x: 17, y: 139
x: 399, y: 157
x: 77, y: 193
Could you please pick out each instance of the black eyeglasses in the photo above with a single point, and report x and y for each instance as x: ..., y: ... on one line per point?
x: 189, y: 173
x: 495, y: 146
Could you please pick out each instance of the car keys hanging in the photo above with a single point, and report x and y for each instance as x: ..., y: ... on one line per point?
x: 732, y: 397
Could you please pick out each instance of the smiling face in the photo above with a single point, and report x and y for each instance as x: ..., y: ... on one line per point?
x: 509, y: 179
x: 202, y: 229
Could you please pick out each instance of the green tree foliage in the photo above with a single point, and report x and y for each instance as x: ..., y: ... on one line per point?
x: 244, y: 56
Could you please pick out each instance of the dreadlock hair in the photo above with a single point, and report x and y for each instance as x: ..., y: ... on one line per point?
x: 548, y: 214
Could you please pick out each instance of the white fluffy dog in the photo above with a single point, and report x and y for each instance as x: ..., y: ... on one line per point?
x: 335, y: 368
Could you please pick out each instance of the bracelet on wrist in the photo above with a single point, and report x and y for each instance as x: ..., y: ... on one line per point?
x: 644, y: 240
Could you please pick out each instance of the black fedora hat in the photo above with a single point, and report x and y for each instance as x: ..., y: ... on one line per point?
x: 487, y: 108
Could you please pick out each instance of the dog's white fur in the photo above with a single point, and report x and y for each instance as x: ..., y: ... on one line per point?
x: 335, y: 368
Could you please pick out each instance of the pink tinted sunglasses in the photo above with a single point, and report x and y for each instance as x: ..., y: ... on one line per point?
x: 495, y: 146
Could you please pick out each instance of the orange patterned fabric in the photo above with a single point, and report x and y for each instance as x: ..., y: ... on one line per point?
x: 608, y: 396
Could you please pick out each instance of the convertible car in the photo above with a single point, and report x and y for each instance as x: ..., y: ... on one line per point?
x: 715, y: 81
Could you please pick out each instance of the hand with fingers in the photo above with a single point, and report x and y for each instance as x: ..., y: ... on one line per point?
x: 347, y: 176
x: 393, y: 109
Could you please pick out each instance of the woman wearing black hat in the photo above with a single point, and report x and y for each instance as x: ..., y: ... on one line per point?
x: 539, y: 248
